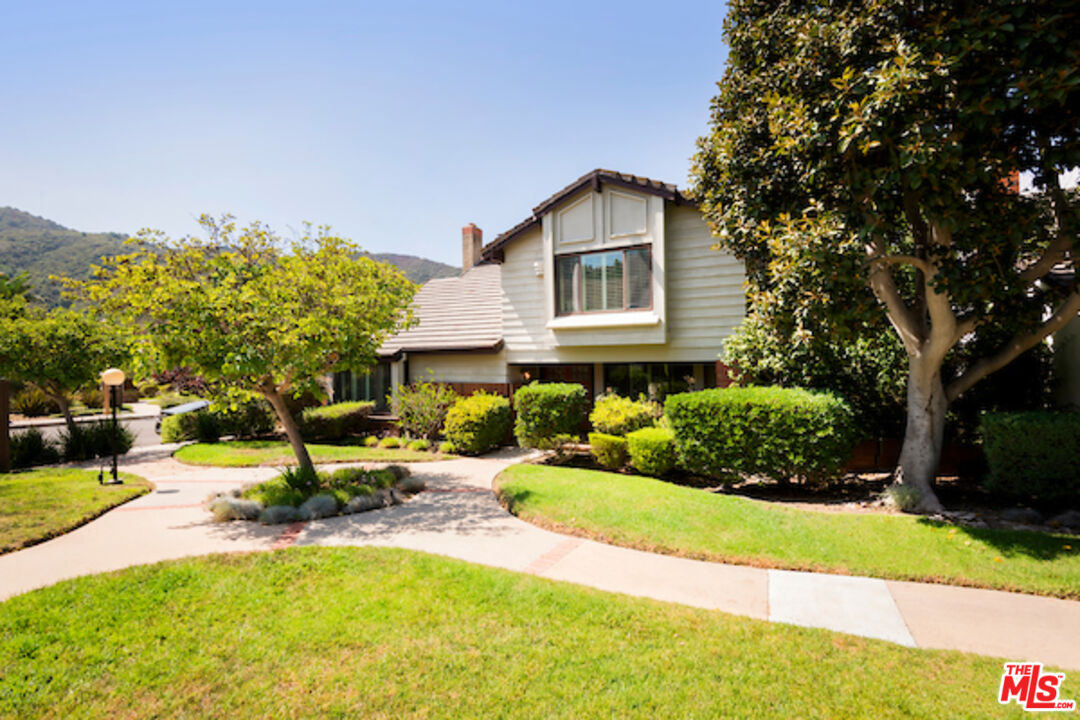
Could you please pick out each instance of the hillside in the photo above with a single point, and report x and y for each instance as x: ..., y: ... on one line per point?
x: 41, y: 248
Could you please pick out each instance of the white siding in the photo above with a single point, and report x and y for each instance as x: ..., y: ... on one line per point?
x: 459, y: 367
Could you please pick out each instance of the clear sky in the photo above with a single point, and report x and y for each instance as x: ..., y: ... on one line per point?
x: 396, y: 123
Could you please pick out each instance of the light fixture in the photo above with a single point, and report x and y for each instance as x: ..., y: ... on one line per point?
x: 113, y: 378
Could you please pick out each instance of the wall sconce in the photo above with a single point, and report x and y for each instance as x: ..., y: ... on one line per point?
x: 538, y: 268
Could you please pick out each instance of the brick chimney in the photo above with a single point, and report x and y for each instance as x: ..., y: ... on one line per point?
x: 472, y: 239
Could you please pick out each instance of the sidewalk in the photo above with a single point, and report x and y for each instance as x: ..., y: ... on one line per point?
x: 458, y: 516
x: 139, y: 411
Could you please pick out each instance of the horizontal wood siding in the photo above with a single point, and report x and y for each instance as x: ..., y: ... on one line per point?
x: 483, y: 368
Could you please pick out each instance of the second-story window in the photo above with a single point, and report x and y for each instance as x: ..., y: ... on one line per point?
x: 604, y: 281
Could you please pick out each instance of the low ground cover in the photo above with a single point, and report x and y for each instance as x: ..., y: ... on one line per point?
x: 350, y: 632
x: 649, y: 514
x: 40, y: 504
x: 249, y: 453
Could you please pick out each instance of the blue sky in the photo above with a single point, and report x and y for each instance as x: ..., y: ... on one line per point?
x: 396, y: 123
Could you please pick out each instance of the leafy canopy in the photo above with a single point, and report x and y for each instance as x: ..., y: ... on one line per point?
x: 249, y: 311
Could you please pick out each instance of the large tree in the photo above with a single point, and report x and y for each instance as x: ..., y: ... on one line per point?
x: 251, y: 313
x: 863, y: 155
x: 59, y: 350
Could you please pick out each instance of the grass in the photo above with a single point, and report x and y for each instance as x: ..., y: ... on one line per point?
x: 376, y: 632
x: 649, y: 514
x: 170, y: 399
x: 40, y: 504
x: 249, y: 453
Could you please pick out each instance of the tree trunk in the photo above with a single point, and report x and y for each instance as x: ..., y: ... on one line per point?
x: 292, y: 430
x: 65, y: 410
x: 923, y: 437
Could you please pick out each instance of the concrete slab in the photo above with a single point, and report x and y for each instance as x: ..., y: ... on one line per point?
x: 856, y: 605
x: 731, y: 588
x: 1010, y: 625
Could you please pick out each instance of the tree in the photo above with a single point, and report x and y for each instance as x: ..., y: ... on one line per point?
x: 862, y: 156
x: 58, y: 351
x: 250, y: 313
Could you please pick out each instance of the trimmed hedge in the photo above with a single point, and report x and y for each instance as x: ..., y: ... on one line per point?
x: 478, y: 423
x: 652, y: 451
x: 30, y: 448
x: 248, y: 419
x: 334, y: 422
x: 781, y: 433
x: 545, y: 411
x: 616, y: 415
x: 1032, y: 454
x: 609, y: 450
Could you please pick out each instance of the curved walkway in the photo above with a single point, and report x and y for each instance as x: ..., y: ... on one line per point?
x: 459, y: 516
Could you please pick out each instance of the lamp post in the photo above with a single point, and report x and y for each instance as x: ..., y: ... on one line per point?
x: 113, y: 379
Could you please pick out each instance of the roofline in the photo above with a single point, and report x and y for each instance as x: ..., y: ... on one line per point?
x: 468, y: 350
x: 595, y: 179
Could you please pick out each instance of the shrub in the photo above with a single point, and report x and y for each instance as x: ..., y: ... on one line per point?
x: 277, y: 514
x: 421, y: 408
x: 90, y: 440
x: 275, y: 491
x: 419, y: 444
x: 778, y: 432
x: 616, y: 415
x: 246, y: 419
x: 412, y: 484
x: 397, y: 472
x: 208, y: 427
x: 371, y: 441
x: 447, y: 448
x: 477, y: 423
x: 149, y: 389
x: 32, y: 402
x: 225, y: 507
x: 390, y: 442
x: 334, y: 422
x: 30, y: 447
x: 609, y: 450
x: 1032, y: 454
x: 547, y: 410
x: 302, y: 479
x: 92, y: 397
x: 652, y: 451
x: 319, y: 506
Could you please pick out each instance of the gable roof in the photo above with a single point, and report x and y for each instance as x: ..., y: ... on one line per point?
x: 595, y: 179
x: 456, y: 314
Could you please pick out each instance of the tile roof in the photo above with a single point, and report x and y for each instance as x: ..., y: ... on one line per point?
x: 461, y: 313
x: 593, y: 179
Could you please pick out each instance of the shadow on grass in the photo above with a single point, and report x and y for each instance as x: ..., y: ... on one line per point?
x: 1035, y: 545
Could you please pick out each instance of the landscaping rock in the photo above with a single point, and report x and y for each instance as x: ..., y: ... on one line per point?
x: 277, y: 514
x: 1069, y: 519
x: 363, y: 503
x: 318, y: 506
x: 1023, y: 516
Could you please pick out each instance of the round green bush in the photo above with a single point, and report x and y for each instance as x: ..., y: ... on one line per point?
x: 419, y: 444
x: 447, y: 448
x: 652, y: 451
x: 781, y: 433
x: 390, y: 442
x: 609, y: 450
x: 371, y: 441
x: 477, y: 423
x: 616, y: 415
x: 546, y: 411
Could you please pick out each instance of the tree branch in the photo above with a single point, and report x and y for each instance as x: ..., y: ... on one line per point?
x: 922, y: 265
x: 1068, y: 310
x: 884, y: 286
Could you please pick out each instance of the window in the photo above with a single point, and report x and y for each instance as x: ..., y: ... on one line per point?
x: 604, y: 281
x: 654, y: 380
x: 373, y: 385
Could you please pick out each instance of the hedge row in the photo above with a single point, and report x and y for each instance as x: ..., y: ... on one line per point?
x: 1032, y: 454
x: 478, y: 423
x: 547, y: 411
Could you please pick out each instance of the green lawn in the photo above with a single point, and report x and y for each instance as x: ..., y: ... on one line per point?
x: 248, y: 453
x: 653, y: 515
x: 39, y: 504
x: 369, y: 632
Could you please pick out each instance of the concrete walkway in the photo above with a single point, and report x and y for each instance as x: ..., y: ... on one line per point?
x: 458, y: 516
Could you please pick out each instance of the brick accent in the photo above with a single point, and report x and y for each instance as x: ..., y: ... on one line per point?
x: 545, y: 562
x: 472, y: 241
x: 288, y: 536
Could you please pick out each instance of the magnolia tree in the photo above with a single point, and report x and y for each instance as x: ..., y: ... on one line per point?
x: 862, y: 158
x: 59, y: 351
x: 252, y: 314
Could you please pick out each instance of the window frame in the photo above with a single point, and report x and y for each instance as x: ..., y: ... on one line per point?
x: 578, y: 281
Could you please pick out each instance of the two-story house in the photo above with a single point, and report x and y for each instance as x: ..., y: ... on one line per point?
x: 611, y: 282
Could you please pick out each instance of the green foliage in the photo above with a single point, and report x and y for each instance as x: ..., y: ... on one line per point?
x: 29, y: 448
x: 249, y: 312
x: 295, y: 486
x: 547, y: 410
x: 447, y: 448
x: 478, y: 423
x: 390, y: 441
x: 93, y: 397
x: 652, y: 450
x: 1032, y: 455
x: 89, y: 440
x: 419, y: 444
x: 781, y: 433
x: 32, y: 402
x: 302, y: 479
x: 421, y: 408
x: 202, y: 425
x: 371, y: 441
x: 609, y: 450
x: 148, y: 389
x: 616, y: 415
x: 334, y: 422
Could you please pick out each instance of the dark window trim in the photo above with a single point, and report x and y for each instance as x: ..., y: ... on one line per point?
x: 626, y: 281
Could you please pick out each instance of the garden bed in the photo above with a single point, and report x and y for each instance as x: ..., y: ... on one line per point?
x: 252, y: 453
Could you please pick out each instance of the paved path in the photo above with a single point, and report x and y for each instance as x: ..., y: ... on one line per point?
x: 458, y: 516
x: 141, y: 421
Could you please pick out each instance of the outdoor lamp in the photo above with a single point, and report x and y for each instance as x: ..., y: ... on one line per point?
x: 113, y: 379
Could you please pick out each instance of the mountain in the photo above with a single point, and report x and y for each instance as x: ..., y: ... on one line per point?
x: 41, y: 248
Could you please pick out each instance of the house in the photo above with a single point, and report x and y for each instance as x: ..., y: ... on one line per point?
x: 611, y: 282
